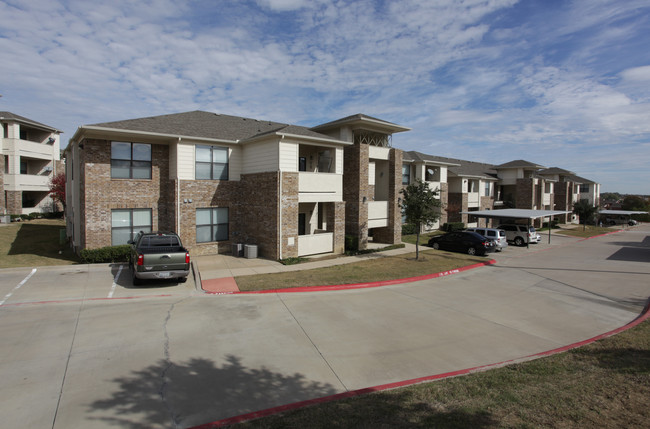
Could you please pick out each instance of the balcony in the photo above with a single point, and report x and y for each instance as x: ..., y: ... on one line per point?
x: 473, y: 199
x: 315, y: 243
x: 29, y: 149
x: 27, y: 182
x: 377, y: 214
x: 319, y: 187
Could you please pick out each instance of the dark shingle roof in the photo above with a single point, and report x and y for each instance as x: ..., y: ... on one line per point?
x: 18, y: 118
x: 519, y: 163
x: 360, y: 117
x: 208, y: 125
x: 457, y: 167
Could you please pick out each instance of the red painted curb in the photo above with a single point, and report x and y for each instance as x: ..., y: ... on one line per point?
x: 645, y: 315
x: 369, y: 284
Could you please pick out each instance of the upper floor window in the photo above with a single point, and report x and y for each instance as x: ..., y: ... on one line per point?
x: 130, y: 160
x: 487, y: 189
x: 584, y: 188
x: 211, y: 163
x: 406, y: 174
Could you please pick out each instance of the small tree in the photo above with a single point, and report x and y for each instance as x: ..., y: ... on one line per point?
x: 421, y: 206
x: 57, y: 188
x: 585, y: 210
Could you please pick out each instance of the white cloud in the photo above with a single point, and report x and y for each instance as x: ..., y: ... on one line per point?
x: 637, y: 74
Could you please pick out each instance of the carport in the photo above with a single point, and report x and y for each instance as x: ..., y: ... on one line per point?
x: 626, y: 213
x: 518, y: 214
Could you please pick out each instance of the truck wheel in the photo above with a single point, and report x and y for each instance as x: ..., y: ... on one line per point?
x: 182, y: 279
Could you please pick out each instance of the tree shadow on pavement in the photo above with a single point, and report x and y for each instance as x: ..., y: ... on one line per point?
x: 198, y: 391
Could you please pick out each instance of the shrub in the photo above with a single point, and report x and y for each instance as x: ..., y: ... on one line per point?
x: 409, y: 229
x: 106, y: 254
x: 351, y: 243
x: 52, y: 215
x: 293, y: 261
x: 453, y: 226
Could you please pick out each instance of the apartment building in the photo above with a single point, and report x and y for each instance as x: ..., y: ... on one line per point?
x: 372, y: 177
x: 473, y: 186
x: 29, y: 157
x: 220, y: 180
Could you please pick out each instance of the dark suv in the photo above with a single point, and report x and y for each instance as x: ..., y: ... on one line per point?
x: 463, y: 241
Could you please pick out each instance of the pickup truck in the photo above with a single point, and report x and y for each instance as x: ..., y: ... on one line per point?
x: 158, y: 255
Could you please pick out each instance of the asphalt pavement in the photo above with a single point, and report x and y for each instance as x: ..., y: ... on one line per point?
x: 81, y: 348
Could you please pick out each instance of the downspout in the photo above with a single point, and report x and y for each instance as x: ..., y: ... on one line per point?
x: 280, y: 198
x: 178, y: 193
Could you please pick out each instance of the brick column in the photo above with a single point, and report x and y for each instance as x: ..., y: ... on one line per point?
x: 355, y: 188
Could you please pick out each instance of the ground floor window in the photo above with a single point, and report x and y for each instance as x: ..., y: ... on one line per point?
x: 211, y: 224
x: 125, y: 223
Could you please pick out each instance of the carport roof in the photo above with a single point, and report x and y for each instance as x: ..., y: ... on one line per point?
x: 516, y: 213
x: 620, y: 212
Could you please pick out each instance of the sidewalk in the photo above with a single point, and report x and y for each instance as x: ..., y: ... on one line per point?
x: 215, y: 273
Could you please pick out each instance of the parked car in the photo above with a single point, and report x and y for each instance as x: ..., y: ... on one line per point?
x: 463, y: 241
x: 158, y: 255
x: 497, y: 235
x: 520, y: 234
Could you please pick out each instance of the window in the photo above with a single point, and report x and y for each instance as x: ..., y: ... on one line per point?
x: 302, y: 163
x: 125, y: 223
x: 487, y: 189
x: 584, y: 188
x: 324, y: 162
x: 130, y: 160
x: 211, y: 163
x: 211, y: 224
x: 406, y: 174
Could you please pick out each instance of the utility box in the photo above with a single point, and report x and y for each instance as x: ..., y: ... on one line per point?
x: 250, y: 251
x: 237, y: 250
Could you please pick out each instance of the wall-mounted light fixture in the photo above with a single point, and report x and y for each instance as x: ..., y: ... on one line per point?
x: 365, y: 199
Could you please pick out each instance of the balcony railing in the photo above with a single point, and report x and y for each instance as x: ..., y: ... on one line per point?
x: 377, y: 214
x: 27, y: 182
x: 320, y: 187
x: 30, y: 149
x: 472, y: 199
x: 315, y: 243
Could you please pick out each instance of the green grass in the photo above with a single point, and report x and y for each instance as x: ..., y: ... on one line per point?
x: 602, y: 385
x: 34, y: 243
x: 377, y: 268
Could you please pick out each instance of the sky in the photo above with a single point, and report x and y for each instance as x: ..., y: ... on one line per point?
x: 560, y: 83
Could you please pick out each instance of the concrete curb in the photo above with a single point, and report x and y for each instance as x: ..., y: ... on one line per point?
x: 645, y: 315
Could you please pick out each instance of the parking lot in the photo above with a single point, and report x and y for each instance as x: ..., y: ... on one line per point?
x: 83, y: 348
x: 80, y: 282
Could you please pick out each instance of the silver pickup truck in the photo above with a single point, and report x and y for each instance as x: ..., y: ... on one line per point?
x: 158, y: 255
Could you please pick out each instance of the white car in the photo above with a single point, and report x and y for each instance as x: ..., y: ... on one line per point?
x: 497, y: 235
x: 520, y: 234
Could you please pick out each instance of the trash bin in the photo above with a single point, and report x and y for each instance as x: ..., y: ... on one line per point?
x: 237, y: 249
x: 250, y: 251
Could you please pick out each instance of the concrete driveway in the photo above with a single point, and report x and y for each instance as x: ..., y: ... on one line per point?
x: 172, y: 357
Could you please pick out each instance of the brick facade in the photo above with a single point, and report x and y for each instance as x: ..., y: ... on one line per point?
x: 355, y: 189
x: 14, y: 202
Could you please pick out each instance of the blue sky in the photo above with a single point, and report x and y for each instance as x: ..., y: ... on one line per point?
x: 559, y: 83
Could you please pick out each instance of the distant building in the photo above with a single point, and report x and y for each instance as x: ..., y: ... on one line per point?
x: 29, y: 157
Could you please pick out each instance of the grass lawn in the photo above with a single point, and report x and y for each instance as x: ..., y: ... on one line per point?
x: 375, y: 268
x: 589, y: 231
x: 34, y: 243
x: 602, y: 385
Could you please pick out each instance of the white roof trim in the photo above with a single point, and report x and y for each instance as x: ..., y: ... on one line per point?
x: 517, y: 213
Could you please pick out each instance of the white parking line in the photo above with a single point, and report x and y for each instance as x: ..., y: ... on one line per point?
x: 7, y: 296
x: 117, y: 276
